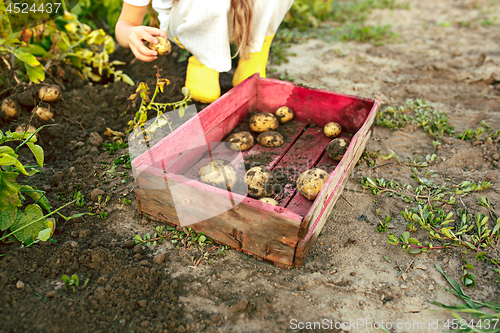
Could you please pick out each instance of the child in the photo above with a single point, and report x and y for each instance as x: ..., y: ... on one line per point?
x: 205, y: 28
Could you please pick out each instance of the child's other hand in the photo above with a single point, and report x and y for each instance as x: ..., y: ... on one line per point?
x: 136, y: 42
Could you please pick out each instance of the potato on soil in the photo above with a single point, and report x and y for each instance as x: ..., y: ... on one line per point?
x: 42, y: 113
x: 263, y: 121
x: 332, y: 130
x: 50, y: 93
x: 260, y: 182
x: 163, y: 46
x: 240, y: 141
x: 311, y: 182
x: 270, y: 139
x: 284, y: 114
x: 337, y: 148
x: 9, y: 108
x: 22, y: 128
x: 269, y: 201
x: 218, y: 173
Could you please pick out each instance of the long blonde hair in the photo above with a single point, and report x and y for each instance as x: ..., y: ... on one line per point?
x: 242, y: 11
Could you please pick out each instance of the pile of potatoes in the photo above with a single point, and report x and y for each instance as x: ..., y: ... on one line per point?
x: 11, y: 109
x: 265, y: 124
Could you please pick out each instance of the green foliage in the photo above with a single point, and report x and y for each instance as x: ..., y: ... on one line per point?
x: 334, y: 20
x: 488, y: 320
x: 417, y: 112
x: 186, y: 238
x: 433, y: 214
x: 73, y: 283
x: 114, y: 146
x: 25, y: 226
x: 141, y: 132
x: 67, y: 40
x: 383, y: 224
x: 101, y: 14
x: 99, y: 207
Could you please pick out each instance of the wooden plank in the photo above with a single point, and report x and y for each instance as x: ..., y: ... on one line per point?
x: 302, y: 156
x: 271, y: 156
x: 299, y: 204
x: 314, y: 106
x: 240, y: 226
x: 191, y: 157
x: 192, y: 132
x: 332, y: 189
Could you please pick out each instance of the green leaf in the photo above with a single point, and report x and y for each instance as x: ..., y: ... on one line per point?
x: 36, y: 74
x: 44, y: 235
x: 34, y: 193
x: 65, y: 279
x: 7, y: 217
x: 9, y: 191
x: 37, y: 151
x: 75, y: 279
x: 457, y: 290
x: 25, y: 57
x: 30, y: 228
x: 414, y: 250
x: 33, y: 49
x: 125, y: 78
x: 406, y: 237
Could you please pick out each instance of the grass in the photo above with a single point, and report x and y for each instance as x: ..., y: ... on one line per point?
x: 333, y: 20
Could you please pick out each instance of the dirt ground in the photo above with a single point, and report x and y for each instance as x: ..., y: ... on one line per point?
x: 345, y: 278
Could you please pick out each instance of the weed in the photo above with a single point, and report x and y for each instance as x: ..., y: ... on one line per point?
x: 99, y: 206
x: 124, y: 201
x: 186, y: 238
x: 114, y: 146
x: 74, y: 281
x: 488, y: 320
x: 383, y: 224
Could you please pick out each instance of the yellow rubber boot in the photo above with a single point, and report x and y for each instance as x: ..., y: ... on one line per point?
x: 203, y: 82
x: 255, y: 63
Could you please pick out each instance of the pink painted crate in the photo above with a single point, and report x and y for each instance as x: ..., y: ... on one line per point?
x: 282, y: 235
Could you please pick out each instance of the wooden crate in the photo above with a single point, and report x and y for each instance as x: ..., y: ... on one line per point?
x: 282, y: 235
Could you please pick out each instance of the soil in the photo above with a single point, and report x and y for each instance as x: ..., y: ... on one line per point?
x: 455, y: 66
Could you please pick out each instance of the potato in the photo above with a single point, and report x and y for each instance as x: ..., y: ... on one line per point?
x: 240, y: 141
x: 332, y: 130
x: 42, y: 113
x: 284, y: 114
x: 218, y: 173
x: 163, y: 46
x: 22, y: 128
x: 9, y: 108
x: 260, y: 182
x: 311, y: 182
x: 337, y: 148
x: 269, y: 201
x: 263, y: 121
x: 50, y: 93
x: 270, y: 139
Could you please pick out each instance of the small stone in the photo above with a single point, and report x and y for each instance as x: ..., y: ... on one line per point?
x: 453, y: 151
x: 422, y: 267
x: 145, y: 324
x: 413, y: 309
x: 496, y: 156
x: 142, y: 303
x: 404, y: 286
x: 94, y: 151
x: 51, y: 294
x: 84, y: 233
x: 159, y: 258
x: 80, y: 144
x: 181, y: 329
x: 144, y: 263
x: 138, y: 249
x: 445, y: 260
x: 390, y: 225
x: 95, y: 139
x: 129, y: 244
x: 352, y: 274
x: 73, y: 244
x: 94, y: 195
x: 20, y: 284
x: 240, y: 306
x: 431, y: 287
x: 374, y: 243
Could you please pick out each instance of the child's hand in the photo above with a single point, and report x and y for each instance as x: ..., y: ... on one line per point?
x: 136, y: 42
